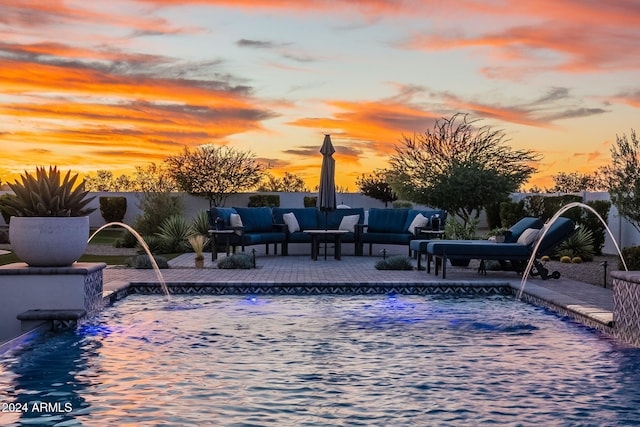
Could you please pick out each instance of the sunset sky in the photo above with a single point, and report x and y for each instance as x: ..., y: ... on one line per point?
x: 89, y: 85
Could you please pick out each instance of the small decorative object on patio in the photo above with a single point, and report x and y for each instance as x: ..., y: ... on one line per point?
x: 49, y: 226
x: 198, y: 242
x: 236, y: 261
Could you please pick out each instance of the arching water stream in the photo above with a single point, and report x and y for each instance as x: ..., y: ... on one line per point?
x: 546, y: 228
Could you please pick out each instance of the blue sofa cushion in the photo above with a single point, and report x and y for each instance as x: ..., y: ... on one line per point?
x: 387, y: 220
x: 256, y: 219
x: 223, y: 213
x: 388, y: 238
x: 307, y: 217
x: 264, y: 237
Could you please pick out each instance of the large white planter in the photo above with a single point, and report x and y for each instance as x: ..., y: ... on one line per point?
x: 49, y: 241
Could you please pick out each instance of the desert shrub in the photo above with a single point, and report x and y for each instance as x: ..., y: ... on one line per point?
x: 236, y: 261
x: 144, y: 262
x: 580, y: 244
x: 576, y: 260
x: 457, y: 230
x: 631, y: 255
x: 395, y: 262
x: 310, y: 201
x: 545, y: 258
x: 174, y: 234
x: 565, y: 259
x: 261, y: 200
x: 113, y: 209
x: 156, y: 207
x: 402, y: 204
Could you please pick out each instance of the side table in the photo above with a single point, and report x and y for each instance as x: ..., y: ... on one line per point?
x: 215, y: 235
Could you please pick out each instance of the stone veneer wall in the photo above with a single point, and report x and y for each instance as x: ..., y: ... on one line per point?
x: 626, y: 306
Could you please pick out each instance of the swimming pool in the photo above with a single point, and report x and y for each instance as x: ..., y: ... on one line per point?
x: 325, y: 360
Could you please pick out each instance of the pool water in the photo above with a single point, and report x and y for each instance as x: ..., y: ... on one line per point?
x: 320, y: 361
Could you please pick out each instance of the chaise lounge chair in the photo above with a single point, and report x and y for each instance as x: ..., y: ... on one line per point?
x: 516, y: 253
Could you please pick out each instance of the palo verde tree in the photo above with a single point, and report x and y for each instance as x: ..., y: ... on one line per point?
x: 459, y: 167
x: 624, y: 177
x: 289, y: 183
x: 376, y: 186
x: 215, y: 172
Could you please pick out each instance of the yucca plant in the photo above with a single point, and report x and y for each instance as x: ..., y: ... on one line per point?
x: 47, y: 194
x: 579, y: 244
x: 174, y: 233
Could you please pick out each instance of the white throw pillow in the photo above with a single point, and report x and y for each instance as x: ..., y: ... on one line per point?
x: 419, y: 221
x: 528, y: 236
x: 291, y: 221
x: 236, y: 221
x: 349, y: 222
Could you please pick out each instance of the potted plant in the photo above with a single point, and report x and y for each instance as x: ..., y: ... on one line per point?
x: 49, y: 224
x: 198, y: 242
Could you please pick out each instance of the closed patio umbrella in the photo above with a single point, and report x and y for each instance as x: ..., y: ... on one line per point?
x: 327, y: 189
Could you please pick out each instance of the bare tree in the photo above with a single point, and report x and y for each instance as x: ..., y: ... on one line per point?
x: 215, y: 172
x: 288, y: 183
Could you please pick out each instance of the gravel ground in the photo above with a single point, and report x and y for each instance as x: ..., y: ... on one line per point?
x: 587, y: 272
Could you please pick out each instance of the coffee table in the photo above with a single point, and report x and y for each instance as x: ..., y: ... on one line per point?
x: 337, y: 238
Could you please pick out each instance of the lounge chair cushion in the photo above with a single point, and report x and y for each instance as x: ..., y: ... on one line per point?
x: 528, y: 236
x: 349, y: 222
x: 418, y: 221
x: 291, y: 221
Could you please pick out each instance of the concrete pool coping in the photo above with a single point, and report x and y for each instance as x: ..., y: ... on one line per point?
x: 588, y: 304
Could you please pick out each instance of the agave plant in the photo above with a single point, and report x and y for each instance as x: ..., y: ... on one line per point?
x: 579, y: 244
x: 47, y: 194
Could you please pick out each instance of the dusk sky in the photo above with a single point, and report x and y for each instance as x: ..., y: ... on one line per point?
x: 89, y: 85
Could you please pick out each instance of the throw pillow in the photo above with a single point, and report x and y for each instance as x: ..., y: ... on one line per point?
x: 528, y: 236
x: 349, y: 222
x: 419, y: 221
x: 236, y: 221
x: 291, y: 221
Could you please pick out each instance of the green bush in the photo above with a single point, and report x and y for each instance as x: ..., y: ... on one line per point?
x: 310, y: 201
x: 580, y: 244
x: 395, y: 262
x: 156, y: 207
x: 262, y: 200
x: 236, y: 261
x: 457, y: 230
x: 511, y: 212
x: 174, y: 234
x: 154, y: 243
x: 113, y: 209
x: 402, y: 204
x: 144, y: 262
x: 591, y: 222
x: 631, y: 255
x: 5, y: 214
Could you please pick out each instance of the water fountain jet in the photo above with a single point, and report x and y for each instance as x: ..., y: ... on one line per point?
x: 546, y: 227
x: 154, y: 264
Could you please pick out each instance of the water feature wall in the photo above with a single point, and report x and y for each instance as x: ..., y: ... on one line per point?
x: 626, y: 306
x: 22, y: 288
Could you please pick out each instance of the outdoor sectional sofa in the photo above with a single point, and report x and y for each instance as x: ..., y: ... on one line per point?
x: 515, y: 253
x: 393, y: 226
x: 256, y: 227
